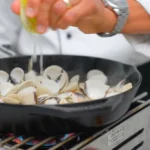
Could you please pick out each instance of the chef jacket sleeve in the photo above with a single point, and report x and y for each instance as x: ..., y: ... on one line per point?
x: 9, y: 29
x: 141, y: 43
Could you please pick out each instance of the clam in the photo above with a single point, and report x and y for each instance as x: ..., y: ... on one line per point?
x: 95, y: 89
x: 14, y: 96
x: 31, y: 75
x: 80, y: 97
x: 51, y: 85
x: 10, y: 100
x: 64, y: 101
x: 4, y: 77
x: 75, y: 78
x: 93, y: 73
x: 42, y: 98
x: 62, y: 80
x: 110, y: 90
x: 69, y: 97
x: 111, y: 94
x: 5, y: 88
x: 52, y: 72
x: 27, y: 96
x: 66, y: 97
x: 39, y: 79
x: 17, y: 75
x: 19, y: 87
x: 71, y: 87
x: 81, y: 89
x: 81, y: 86
x: 100, y: 77
x: 120, y: 85
x: 42, y: 89
x: 56, y: 74
x: 51, y: 101
x: 124, y: 88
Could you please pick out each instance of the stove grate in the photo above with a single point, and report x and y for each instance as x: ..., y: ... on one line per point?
x: 65, y: 142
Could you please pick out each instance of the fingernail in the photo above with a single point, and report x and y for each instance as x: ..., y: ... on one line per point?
x: 30, y: 12
x: 41, y: 28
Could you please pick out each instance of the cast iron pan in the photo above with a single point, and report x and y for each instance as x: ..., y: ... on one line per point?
x: 60, y: 119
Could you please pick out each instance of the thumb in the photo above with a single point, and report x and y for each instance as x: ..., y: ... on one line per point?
x: 16, y: 7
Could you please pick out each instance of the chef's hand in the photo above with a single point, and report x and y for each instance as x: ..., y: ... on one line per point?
x: 90, y: 16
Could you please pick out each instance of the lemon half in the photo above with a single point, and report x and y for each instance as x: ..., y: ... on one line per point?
x: 28, y: 23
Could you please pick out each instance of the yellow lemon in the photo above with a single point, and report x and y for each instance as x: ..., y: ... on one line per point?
x: 28, y: 23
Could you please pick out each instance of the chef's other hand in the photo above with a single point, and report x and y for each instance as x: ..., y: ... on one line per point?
x: 90, y: 16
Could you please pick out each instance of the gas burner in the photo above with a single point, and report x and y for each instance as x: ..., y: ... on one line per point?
x: 33, y: 141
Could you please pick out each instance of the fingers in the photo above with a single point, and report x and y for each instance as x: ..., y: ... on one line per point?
x: 16, y: 7
x: 43, y: 18
x: 59, y: 8
x: 33, y: 8
x: 76, y: 13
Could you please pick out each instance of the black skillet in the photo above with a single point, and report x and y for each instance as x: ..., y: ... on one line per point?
x: 60, y: 119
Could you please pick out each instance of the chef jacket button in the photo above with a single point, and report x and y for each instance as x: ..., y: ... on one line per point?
x: 69, y: 36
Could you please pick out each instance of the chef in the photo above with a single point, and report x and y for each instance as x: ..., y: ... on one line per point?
x: 14, y: 40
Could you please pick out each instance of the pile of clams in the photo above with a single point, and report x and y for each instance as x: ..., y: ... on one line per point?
x: 55, y: 87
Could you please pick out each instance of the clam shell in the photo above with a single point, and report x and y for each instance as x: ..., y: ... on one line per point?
x: 81, y: 89
x: 120, y: 84
x: 4, y: 77
x: 51, y: 85
x: 93, y: 73
x: 19, y: 87
x: 42, y: 98
x: 100, y: 77
x: 66, y: 97
x: 5, y: 88
x: 70, y: 97
x: 81, y: 86
x: 110, y: 90
x: 64, y: 101
x: 95, y: 89
x: 14, y: 96
x: 56, y: 74
x: 39, y: 79
x: 80, y: 97
x: 10, y: 100
x: 112, y: 94
x: 17, y: 75
x: 51, y: 101
x: 41, y: 89
x: 63, y: 80
x: 52, y: 72
x: 125, y: 88
x: 75, y: 78
x: 27, y: 96
x: 71, y: 87
x: 31, y: 75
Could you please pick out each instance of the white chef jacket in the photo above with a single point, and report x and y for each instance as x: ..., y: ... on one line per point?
x: 141, y: 43
x: 14, y: 40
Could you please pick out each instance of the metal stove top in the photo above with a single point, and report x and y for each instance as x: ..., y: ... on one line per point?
x: 128, y: 133
x: 111, y: 137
